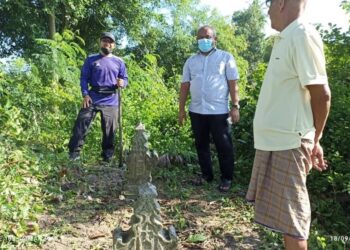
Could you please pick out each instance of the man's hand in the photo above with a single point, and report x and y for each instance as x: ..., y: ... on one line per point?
x: 234, y: 113
x: 120, y: 82
x: 182, y: 117
x: 318, y: 162
x: 86, y: 102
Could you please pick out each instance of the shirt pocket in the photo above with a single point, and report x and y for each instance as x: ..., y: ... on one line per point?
x: 217, y: 90
x: 218, y: 68
x: 196, y: 71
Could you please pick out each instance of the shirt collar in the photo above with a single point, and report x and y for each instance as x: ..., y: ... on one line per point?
x: 289, y: 29
x: 211, y: 52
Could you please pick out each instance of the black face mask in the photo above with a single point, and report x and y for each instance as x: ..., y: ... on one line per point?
x: 106, y: 51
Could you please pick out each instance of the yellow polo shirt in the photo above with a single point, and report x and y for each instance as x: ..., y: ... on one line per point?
x: 283, y: 114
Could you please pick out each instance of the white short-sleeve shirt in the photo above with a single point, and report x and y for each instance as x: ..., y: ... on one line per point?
x: 283, y: 115
x: 208, y: 77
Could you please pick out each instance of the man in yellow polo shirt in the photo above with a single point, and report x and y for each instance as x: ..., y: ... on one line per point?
x: 291, y: 113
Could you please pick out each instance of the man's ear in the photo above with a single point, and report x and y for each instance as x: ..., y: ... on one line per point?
x: 281, y: 4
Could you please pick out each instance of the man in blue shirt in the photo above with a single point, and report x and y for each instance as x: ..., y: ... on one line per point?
x: 101, y: 75
x: 210, y: 76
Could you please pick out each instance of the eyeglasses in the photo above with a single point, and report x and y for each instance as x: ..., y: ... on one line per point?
x: 268, y: 3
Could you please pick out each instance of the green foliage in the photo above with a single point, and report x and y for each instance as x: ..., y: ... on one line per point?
x: 30, y: 20
x: 59, y: 59
x: 345, y: 4
x: 26, y: 19
x: 33, y: 117
x: 249, y: 25
x: 20, y: 195
x: 150, y: 101
x: 171, y: 36
x: 195, y: 238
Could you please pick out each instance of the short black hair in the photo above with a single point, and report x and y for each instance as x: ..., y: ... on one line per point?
x: 208, y: 27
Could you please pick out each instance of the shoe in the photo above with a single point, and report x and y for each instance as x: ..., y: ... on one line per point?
x: 225, y: 185
x: 106, y: 159
x: 200, y: 181
x: 74, y: 156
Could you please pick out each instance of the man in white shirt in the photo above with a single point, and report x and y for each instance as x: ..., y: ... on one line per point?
x: 290, y: 116
x: 211, y: 76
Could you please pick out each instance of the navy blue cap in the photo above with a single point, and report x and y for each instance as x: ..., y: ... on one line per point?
x: 107, y: 34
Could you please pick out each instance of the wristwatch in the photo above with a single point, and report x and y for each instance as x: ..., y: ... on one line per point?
x: 236, y: 106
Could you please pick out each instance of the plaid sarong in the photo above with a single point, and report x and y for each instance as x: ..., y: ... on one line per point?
x: 278, y: 189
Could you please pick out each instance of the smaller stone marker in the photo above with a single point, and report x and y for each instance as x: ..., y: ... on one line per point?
x: 146, y: 231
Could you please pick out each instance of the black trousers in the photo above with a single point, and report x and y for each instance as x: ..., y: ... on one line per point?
x: 109, y: 122
x: 217, y: 126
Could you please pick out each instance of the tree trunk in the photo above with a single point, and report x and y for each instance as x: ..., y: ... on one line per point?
x: 52, y: 25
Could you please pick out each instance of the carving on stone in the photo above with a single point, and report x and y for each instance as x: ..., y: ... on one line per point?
x: 138, y: 162
x: 146, y: 231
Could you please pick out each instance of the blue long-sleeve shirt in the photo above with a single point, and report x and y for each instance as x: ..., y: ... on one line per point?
x: 102, y: 71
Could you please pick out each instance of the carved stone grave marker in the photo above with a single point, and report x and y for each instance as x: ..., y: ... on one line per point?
x: 146, y: 231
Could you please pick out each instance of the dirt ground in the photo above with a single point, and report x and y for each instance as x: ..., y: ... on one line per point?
x: 92, y: 207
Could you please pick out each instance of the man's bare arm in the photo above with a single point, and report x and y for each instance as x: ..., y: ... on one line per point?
x: 320, y: 104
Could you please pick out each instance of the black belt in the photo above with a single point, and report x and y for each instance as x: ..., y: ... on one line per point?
x: 103, y: 90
